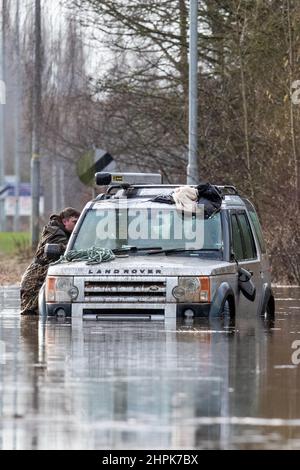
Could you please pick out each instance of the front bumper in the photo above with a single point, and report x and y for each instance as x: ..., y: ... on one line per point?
x: 53, y: 309
x: 109, y: 311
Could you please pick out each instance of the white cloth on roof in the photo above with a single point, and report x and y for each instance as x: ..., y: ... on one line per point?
x: 186, y: 198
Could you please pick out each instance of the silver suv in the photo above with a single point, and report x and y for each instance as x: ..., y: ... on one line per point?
x: 160, y: 275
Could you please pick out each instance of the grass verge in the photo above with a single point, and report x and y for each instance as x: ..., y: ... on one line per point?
x: 11, y: 242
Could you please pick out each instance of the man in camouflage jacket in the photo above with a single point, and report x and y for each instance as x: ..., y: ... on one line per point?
x: 57, y: 231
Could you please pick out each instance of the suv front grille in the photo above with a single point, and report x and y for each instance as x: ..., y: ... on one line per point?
x: 131, y: 291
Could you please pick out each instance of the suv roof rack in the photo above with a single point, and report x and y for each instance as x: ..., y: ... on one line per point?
x: 228, y: 189
x: 225, y: 190
x: 130, y: 188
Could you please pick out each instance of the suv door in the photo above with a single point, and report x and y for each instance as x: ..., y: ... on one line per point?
x: 247, y: 254
x: 265, y: 265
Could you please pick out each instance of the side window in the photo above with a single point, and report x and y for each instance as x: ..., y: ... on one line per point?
x: 237, y: 243
x: 257, y: 228
x: 242, y: 238
x: 249, y: 245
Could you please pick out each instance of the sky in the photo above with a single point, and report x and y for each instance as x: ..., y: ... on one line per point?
x: 97, y: 55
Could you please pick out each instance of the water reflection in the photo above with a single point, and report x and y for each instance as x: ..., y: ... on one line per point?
x: 214, y: 383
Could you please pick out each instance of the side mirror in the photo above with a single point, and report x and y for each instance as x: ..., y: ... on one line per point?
x: 53, y: 251
x: 246, y: 285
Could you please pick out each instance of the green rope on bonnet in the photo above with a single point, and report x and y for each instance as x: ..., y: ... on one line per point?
x: 91, y: 256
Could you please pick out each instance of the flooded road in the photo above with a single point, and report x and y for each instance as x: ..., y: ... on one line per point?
x: 125, y: 385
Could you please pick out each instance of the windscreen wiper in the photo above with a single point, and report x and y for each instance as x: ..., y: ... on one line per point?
x: 182, y: 250
x: 134, y: 249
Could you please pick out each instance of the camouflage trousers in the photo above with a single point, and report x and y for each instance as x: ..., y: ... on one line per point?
x: 31, y: 282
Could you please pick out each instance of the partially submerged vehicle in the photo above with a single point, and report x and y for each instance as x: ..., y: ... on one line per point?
x: 164, y: 264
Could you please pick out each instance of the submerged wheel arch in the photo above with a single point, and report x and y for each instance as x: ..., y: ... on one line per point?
x: 223, y: 294
x: 231, y: 302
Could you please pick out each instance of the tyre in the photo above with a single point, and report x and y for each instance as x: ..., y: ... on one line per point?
x: 269, y: 310
x: 226, y: 318
x: 268, y: 315
x: 226, y: 309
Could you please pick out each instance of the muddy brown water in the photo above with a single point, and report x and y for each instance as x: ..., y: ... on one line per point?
x: 126, y: 385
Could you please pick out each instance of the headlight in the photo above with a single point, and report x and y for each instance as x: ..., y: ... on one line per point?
x: 178, y: 292
x: 73, y: 292
x: 190, y: 284
x: 192, y: 290
x: 61, y: 289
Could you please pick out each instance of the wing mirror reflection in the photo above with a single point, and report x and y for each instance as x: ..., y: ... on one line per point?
x: 246, y: 284
x: 53, y: 251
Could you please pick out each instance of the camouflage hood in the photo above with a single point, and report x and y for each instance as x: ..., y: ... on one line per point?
x: 55, y: 224
x: 53, y: 232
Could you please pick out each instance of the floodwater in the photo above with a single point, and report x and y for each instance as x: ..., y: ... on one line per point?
x: 125, y: 385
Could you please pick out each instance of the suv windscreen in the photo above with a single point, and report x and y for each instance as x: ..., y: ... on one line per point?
x: 165, y: 229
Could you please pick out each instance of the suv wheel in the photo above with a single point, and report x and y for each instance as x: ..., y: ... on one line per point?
x: 269, y: 312
x: 227, y: 315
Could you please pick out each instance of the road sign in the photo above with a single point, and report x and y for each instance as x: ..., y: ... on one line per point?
x: 9, y: 195
x: 94, y: 161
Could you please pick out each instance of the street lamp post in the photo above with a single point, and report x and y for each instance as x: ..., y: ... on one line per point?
x: 192, y: 169
x: 37, y: 113
x: 17, y: 122
x: 2, y: 104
